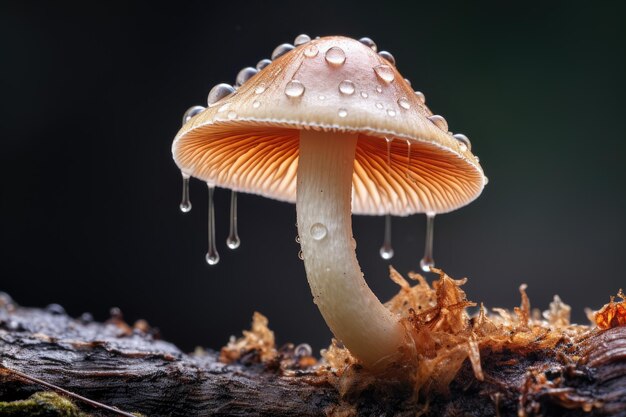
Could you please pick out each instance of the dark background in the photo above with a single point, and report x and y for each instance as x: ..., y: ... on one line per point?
x: 92, y: 97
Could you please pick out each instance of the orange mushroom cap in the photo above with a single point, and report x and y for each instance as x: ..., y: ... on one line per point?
x: 248, y: 141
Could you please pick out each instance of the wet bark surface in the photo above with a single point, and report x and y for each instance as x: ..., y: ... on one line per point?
x: 127, y: 367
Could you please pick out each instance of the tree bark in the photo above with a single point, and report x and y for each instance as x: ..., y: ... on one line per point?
x: 130, y: 369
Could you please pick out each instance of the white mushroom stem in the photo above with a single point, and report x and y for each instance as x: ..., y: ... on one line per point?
x: 324, y: 191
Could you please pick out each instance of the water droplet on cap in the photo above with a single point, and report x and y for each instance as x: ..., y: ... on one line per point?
x: 301, y: 39
x: 364, y: 94
x: 421, y: 97
x: 219, y: 92
x: 486, y: 180
x: 342, y: 112
x: 384, y: 72
x: 439, y: 121
x: 256, y: 104
x: 294, y: 88
x: 318, y: 231
x: 301, y: 256
x: 368, y: 42
x: 387, y: 55
x: 232, y: 115
x: 321, y: 97
x: 260, y: 89
x: 335, y: 56
x: 346, y: 87
x: 191, y: 112
x: 379, y: 89
x: 406, y: 80
x: 244, y: 75
x: 379, y: 105
x: 263, y: 63
x: 404, y: 103
x: 391, y: 112
x: 281, y: 50
x: 311, y: 51
x: 463, y: 141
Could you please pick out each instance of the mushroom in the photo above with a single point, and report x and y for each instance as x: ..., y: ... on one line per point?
x: 333, y: 126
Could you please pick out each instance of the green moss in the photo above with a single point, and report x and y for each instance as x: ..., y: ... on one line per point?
x: 41, y: 404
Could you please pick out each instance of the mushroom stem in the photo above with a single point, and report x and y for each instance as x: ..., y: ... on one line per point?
x: 323, y: 203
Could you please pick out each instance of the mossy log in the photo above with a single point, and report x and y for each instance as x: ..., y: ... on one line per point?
x: 129, y: 368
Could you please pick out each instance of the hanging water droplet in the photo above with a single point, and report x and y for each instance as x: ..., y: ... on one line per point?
x: 232, y: 115
x: 404, y: 103
x: 368, y: 42
x: 379, y: 89
x: 260, y: 89
x: 302, y: 350
x: 301, y: 39
x: 386, y: 251
x: 335, y: 56
x: 406, y: 80
x: 191, y: 112
x: 233, y: 240
x: 185, y: 203
x: 342, y: 112
x: 282, y: 50
x: 294, y: 88
x: 421, y: 97
x: 297, y: 238
x: 427, y: 261
x: 477, y: 158
x: 364, y: 94
x: 311, y: 51
x: 301, y: 256
x: 212, y: 257
x: 219, y: 92
x: 379, y: 105
x: 263, y: 63
x: 256, y: 104
x: 439, y: 121
x: 391, y: 112
x: 346, y: 87
x: 408, y: 159
x: 464, y: 141
x: 318, y: 231
x: 486, y: 179
x: 384, y: 72
x: 387, y: 55
x: 244, y: 75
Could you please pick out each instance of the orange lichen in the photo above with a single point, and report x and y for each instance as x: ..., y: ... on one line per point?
x: 612, y: 314
x: 258, y: 340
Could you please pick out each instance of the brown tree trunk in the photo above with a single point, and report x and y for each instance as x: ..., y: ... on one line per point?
x: 129, y: 369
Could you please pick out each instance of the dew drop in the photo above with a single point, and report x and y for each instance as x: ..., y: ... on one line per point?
x: 191, y: 112
x: 223, y: 107
x: 301, y: 39
x: 335, y: 56
x: 297, y: 238
x: 212, y: 257
x: 232, y: 115
x: 301, y: 256
x: 464, y: 141
x: 421, y: 97
x: 260, y: 89
x: 233, y: 240
x: 318, y: 231
x: 406, y: 80
x: 386, y: 250
x: 364, y: 94
x: 387, y: 55
x: 303, y: 350
x: 368, y: 42
x: 321, y: 97
x: 408, y: 159
x: 294, y: 88
x: 384, y: 72
x: 379, y: 105
x: 404, y: 103
x: 256, y: 104
x: 219, y: 92
x: 379, y: 89
x: 244, y: 75
x: 346, y: 87
x: 56, y: 309
x: 486, y: 179
x: 439, y: 121
x: 311, y: 51
x: 185, y: 203
x: 263, y: 63
x: 427, y: 261
x: 281, y: 50
x: 477, y: 158
x: 391, y: 113
x: 342, y: 112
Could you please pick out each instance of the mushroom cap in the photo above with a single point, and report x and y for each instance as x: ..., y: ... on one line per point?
x: 248, y: 141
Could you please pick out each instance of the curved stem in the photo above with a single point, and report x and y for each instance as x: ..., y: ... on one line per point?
x: 352, y: 311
